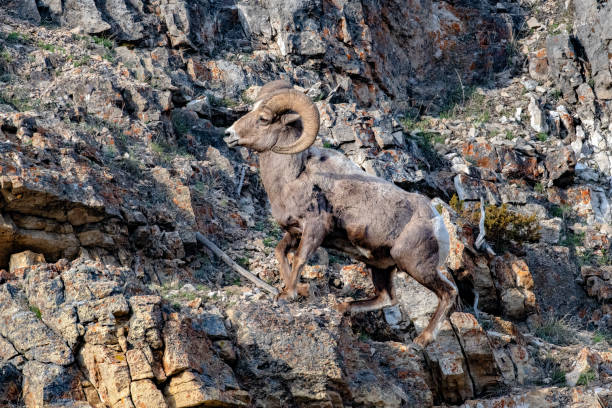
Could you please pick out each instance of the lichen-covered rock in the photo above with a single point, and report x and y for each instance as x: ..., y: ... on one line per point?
x: 598, y: 282
x: 560, y: 165
x: 45, y: 384
x: 449, y: 368
x: 273, y: 341
x: 27, y: 333
x: 140, y: 362
x: 478, y: 352
x: 10, y: 383
x: 25, y: 259
x: 198, y: 375
x: 146, y: 394
x: 515, y: 285
x: 83, y: 15
x: 145, y: 321
x: 190, y: 388
x: 107, y: 370
x: 593, y: 30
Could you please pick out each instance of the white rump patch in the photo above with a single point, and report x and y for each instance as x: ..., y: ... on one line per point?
x: 441, y: 234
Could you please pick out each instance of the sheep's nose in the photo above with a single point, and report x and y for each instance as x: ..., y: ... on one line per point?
x: 231, y: 138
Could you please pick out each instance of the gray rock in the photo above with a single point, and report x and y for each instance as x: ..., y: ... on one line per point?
x: 27, y: 9
x: 537, y: 119
x: 123, y: 21
x: 85, y: 15
x: 563, y: 64
x: 212, y: 324
x: 550, y: 230
x: 416, y: 302
x: 45, y: 384
x: 274, y: 341
x: 560, y: 165
x: 53, y: 7
x: 554, y: 279
x: 145, y: 322
x: 592, y: 27
x: 27, y: 333
x: 176, y: 17
x: 393, y: 315
x: 10, y: 383
x: 448, y: 365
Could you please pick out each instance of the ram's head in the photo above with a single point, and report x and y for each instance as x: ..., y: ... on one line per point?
x: 283, y: 120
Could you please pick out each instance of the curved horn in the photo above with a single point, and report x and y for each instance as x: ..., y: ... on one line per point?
x: 301, y: 104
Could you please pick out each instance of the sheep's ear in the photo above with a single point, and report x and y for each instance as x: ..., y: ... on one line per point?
x: 289, y: 118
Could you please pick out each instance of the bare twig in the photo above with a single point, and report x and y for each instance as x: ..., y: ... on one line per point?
x: 462, y: 89
x: 241, y: 182
x: 476, y: 297
x: 480, y: 243
x: 217, y: 251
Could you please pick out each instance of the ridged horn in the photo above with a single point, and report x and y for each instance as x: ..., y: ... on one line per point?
x: 301, y: 104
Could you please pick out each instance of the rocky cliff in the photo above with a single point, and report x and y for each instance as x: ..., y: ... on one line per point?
x: 112, y: 159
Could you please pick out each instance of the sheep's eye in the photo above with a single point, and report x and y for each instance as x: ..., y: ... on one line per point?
x: 264, y: 120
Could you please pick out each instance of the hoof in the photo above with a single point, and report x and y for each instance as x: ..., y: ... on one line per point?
x: 343, y: 307
x: 286, y: 296
x: 423, y: 340
x: 303, y: 289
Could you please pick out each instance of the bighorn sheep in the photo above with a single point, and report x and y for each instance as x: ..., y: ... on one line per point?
x: 320, y: 198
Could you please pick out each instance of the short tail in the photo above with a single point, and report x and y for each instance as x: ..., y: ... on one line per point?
x: 441, y: 234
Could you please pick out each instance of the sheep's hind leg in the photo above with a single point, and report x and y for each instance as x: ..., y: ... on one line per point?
x: 420, y: 252
x: 313, y: 233
x: 382, y: 280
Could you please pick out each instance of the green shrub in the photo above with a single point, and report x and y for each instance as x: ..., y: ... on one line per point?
x: 425, y: 141
x: 542, y: 137
x: 586, y: 377
x: 503, y: 226
x: 572, y: 239
x: 46, y: 46
x: 79, y: 62
x: 456, y: 204
x: 36, y: 311
x: 270, y: 242
x: 107, y: 43
x: 15, y: 37
x: 6, y: 56
x: 558, y: 377
x: 557, y: 331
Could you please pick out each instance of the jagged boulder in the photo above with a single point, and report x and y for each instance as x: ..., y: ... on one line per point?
x: 10, y: 383
x: 308, y: 355
x: 45, y: 384
x: 27, y: 333
x: 514, y: 283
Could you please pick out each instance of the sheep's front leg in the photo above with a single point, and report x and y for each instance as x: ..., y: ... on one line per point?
x: 313, y: 233
x: 286, y: 244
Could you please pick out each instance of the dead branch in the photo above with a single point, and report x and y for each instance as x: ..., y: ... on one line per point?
x: 248, y: 275
x: 480, y: 243
x: 241, y: 182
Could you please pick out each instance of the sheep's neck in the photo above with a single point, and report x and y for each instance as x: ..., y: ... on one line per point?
x: 277, y: 171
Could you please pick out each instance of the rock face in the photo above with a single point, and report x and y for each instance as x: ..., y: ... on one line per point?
x: 593, y: 31
x: 92, y: 309
x: 515, y: 285
x: 274, y: 340
x: 361, y: 45
x: 111, y: 159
